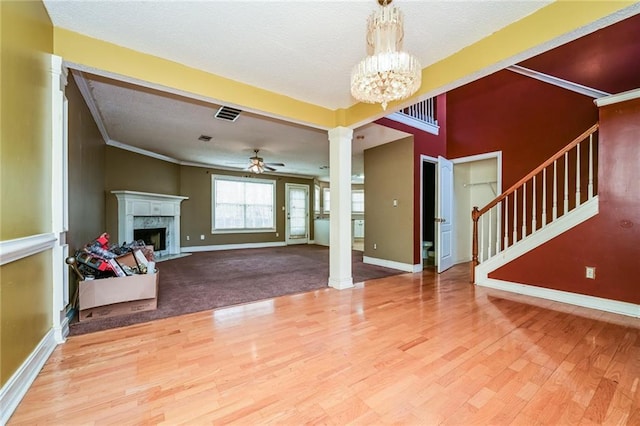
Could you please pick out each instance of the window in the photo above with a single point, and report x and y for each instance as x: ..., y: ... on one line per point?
x: 357, y: 201
x: 316, y: 200
x: 242, y: 204
x: 326, y: 200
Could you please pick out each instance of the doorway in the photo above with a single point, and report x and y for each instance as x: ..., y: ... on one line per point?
x: 476, y: 181
x: 297, y: 213
x: 428, y: 245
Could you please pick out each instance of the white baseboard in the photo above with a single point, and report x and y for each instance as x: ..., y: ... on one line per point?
x: 576, y: 299
x: 61, y: 333
x: 232, y: 246
x: 18, y: 384
x: 406, y: 267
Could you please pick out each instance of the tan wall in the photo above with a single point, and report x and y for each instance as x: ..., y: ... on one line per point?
x: 126, y: 170
x: 196, y: 211
x: 26, y: 39
x: 389, y: 176
x: 86, y: 172
x: 86, y: 175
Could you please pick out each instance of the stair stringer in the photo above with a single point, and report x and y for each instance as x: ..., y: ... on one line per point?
x: 560, y: 225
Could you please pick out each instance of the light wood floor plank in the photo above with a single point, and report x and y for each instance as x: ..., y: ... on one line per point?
x: 410, y: 349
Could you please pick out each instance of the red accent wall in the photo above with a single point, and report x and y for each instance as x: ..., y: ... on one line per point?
x: 526, y: 119
x: 609, y: 241
x: 423, y: 144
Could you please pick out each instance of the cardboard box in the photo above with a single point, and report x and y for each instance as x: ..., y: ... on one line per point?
x: 116, y: 309
x: 134, y: 293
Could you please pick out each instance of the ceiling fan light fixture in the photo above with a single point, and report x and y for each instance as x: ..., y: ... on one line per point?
x: 256, y: 168
x: 387, y: 73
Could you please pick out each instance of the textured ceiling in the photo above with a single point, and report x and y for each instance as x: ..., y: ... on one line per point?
x: 302, y: 49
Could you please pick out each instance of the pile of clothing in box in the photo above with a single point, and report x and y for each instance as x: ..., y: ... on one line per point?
x: 99, y: 259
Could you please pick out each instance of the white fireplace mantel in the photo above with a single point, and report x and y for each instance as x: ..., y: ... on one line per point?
x: 132, y: 204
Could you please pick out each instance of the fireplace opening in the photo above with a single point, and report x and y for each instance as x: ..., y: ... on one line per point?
x: 156, y: 237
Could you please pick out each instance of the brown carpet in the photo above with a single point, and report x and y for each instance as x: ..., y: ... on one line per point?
x: 208, y: 280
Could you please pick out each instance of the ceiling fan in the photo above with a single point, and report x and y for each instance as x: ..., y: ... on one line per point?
x: 257, y: 164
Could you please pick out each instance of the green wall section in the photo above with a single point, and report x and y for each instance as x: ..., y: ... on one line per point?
x: 26, y: 40
x: 389, y: 176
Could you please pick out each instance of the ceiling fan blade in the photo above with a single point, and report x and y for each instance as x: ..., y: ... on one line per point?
x: 275, y: 164
x: 271, y: 169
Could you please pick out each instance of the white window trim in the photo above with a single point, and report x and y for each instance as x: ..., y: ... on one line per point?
x: 240, y: 230
x: 324, y: 208
x: 317, y: 200
x: 356, y: 191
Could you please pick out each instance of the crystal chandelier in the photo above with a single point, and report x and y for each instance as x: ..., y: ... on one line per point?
x: 387, y: 73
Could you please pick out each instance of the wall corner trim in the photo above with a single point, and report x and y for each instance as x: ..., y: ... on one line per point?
x: 18, y: 384
x: 406, y: 267
x: 607, y: 305
x: 16, y: 249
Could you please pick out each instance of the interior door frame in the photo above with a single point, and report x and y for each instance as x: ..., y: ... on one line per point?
x: 287, y: 239
x: 434, y: 161
x: 497, y: 155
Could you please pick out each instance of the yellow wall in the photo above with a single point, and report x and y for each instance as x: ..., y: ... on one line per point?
x: 541, y: 27
x: 25, y: 167
x: 389, y: 176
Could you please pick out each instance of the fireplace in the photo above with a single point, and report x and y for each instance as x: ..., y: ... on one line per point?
x: 156, y: 237
x: 146, y: 212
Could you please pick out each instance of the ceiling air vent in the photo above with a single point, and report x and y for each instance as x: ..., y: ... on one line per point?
x: 204, y: 138
x: 227, y: 113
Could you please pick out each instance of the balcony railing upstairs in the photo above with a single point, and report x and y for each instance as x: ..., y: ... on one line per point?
x: 556, y: 187
x: 421, y: 115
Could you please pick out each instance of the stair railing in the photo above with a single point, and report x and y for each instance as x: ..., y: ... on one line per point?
x: 551, y: 190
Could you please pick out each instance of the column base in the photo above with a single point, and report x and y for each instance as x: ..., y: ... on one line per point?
x: 341, y: 284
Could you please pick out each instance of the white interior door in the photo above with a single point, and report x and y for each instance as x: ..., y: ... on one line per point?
x: 297, y: 209
x: 445, y: 215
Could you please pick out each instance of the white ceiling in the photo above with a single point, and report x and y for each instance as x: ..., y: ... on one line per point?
x: 302, y: 49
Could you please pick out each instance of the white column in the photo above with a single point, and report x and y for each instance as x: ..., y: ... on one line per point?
x: 340, y: 220
x: 59, y: 198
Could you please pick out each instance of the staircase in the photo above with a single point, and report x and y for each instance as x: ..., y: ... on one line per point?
x: 556, y: 196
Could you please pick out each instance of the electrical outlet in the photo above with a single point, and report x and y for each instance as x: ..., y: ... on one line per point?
x: 188, y: 238
x: 375, y: 246
x: 590, y: 272
x: 277, y: 234
x: 202, y: 237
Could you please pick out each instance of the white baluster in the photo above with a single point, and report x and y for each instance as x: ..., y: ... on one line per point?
x: 554, y: 209
x: 534, y: 221
x: 515, y: 216
x: 506, y: 222
x: 524, y: 210
x: 590, y: 188
x: 577, y: 175
x: 482, y: 238
x: 544, y: 197
x: 489, y: 239
x: 566, y: 183
x: 498, y: 210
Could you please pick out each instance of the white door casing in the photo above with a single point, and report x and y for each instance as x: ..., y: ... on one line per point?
x: 444, y: 217
x: 297, y: 214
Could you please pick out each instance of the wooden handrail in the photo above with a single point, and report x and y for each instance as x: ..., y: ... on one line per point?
x: 534, y: 172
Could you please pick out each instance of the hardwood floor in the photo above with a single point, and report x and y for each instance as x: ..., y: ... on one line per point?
x: 409, y: 349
